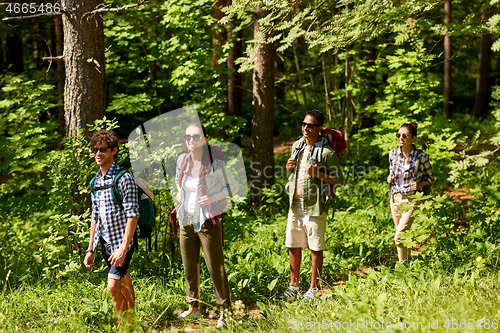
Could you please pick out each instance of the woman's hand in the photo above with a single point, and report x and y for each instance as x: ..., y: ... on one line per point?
x: 390, y: 179
x: 206, y: 200
x: 414, y: 186
x: 178, y: 197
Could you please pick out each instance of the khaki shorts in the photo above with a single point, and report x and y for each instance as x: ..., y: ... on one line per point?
x: 305, y: 231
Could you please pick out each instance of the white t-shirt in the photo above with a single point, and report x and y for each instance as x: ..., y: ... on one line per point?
x: 298, y: 196
x: 190, y: 187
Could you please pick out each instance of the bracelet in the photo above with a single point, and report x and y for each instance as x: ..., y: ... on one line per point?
x: 91, y: 251
x: 216, y: 200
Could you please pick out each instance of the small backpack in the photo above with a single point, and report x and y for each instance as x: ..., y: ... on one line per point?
x: 147, y: 208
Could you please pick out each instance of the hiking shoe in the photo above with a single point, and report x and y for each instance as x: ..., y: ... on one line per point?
x: 290, y: 294
x: 222, y: 322
x: 310, y: 295
x: 188, y: 315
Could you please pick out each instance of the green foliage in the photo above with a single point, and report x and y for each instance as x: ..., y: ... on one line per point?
x: 27, y: 132
x: 162, y: 57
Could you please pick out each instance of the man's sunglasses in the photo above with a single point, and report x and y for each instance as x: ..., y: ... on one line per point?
x: 304, y: 124
x: 404, y: 136
x: 195, y: 137
x: 101, y: 149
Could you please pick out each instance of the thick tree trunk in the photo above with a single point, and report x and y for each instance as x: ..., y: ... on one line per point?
x: 263, y: 115
x: 84, y: 94
x: 482, y: 83
x: 60, y: 72
x: 447, y: 62
x: 234, y: 88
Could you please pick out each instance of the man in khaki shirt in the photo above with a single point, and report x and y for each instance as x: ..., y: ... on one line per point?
x: 313, y: 168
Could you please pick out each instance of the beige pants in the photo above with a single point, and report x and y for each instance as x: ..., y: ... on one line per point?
x: 403, y: 221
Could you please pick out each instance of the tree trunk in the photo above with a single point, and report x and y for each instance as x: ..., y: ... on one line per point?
x: 60, y: 72
x: 447, y: 62
x: 84, y: 90
x: 370, y: 56
x: 234, y: 88
x: 327, y: 69
x: 482, y: 84
x: 263, y: 115
x: 217, y: 41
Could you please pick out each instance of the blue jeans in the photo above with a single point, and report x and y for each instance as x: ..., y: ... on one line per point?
x: 116, y: 273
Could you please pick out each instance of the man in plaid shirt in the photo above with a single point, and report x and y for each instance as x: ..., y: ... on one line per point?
x: 112, y: 227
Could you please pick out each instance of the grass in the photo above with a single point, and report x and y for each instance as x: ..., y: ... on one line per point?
x: 362, y: 282
x: 411, y: 294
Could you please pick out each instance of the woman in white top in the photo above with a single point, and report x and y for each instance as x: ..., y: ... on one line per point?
x: 203, y: 184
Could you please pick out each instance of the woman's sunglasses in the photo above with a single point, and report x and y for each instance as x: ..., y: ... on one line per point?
x: 195, y: 137
x: 309, y: 126
x: 404, y: 136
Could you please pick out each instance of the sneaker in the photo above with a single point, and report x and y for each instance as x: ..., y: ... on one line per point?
x: 310, y: 295
x: 222, y: 322
x: 188, y: 315
x: 290, y: 294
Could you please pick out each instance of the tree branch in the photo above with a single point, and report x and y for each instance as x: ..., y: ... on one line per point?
x: 105, y: 8
x: 61, y: 57
x: 30, y: 16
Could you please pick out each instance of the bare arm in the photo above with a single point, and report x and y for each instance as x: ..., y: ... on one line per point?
x: 89, y: 257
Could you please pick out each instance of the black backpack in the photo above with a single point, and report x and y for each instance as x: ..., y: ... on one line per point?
x: 147, y: 208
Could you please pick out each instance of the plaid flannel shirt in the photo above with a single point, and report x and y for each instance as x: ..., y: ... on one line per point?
x: 116, y: 218
x: 424, y: 172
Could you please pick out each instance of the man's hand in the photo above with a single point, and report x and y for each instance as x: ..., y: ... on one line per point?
x: 117, y: 258
x: 206, y: 200
x: 89, y: 260
x: 312, y: 170
x: 390, y: 179
x: 290, y: 164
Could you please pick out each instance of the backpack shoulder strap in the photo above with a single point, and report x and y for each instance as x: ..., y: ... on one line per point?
x: 92, y: 185
x: 115, y: 193
x: 417, y: 162
x: 394, y: 161
x: 298, y: 148
x: 183, y: 166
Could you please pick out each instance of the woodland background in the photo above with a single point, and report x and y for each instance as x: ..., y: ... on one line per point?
x: 255, y: 68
